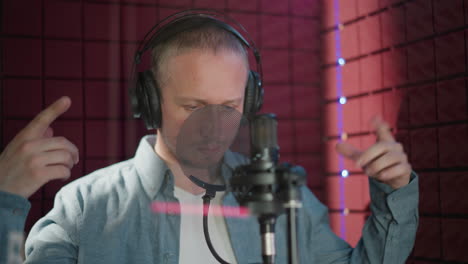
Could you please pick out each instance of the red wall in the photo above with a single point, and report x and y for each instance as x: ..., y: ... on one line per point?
x: 405, y: 60
x: 84, y: 49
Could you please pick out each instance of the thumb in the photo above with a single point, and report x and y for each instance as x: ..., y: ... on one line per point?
x: 348, y: 150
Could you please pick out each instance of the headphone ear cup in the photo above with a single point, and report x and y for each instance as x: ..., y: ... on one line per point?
x: 253, y: 100
x: 148, y: 99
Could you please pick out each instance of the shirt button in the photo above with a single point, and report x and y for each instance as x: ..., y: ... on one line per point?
x: 17, y: 211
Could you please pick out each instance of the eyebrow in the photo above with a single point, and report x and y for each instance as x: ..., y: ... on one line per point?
x: 201, y: 101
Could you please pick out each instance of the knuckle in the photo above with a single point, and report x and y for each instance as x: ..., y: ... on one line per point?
x: 63, y: 172
x: 26, y: 147
x: 33, y: 162
x: 35, y: 174
x: 399, y: 146
x: 62, y: 140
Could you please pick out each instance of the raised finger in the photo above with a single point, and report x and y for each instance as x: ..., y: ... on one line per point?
x: 38, y: 126
x: 382, y: 130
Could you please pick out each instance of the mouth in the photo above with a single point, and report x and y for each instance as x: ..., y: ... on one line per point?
x: 210, y: 148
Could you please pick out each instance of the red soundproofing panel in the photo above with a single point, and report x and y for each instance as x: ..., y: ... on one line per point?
x: 367, y: 6
x: 212, y: 4
x: 371, y: 73
x: 21, y: 17
x: 103, y: 99
x: 101, y: 138
x: 273, y: 66
x: 394, y: 67
x: 178, y: 3
x: 448, y: 16
x: 102, y: 21
x: 30, y: 105
x: 396, y: 107
x: 450, y: 51
x: 243, y: 5
x: 453, y: 146
x: 372, y: 106
x: 349, y: 41
x: 421, y: 61
x: 454, y: 239
x: 62, y: 19
x: 451, y: 100
x: 278, y: 100
x: 306, y: 104
x: 312, y: 163
x: 428, y: 239
x: 307, y: 136
x: 304, y: 33
x: 329, y: 79
x: 351, y: 83
x: 272, y: 27
x: 423, y: 148
x: 275, y: 6
x: 137, y: 21
x: 286, y: 136
x: 453, y: 194
x: 419, y: 21
x: 20, y: 51
x: 393, y: 26
x: 305, y: 7
x: 429, y: 194
x: 63, y: 59
x: 422, y: 104
x: 304, y: 70
x: 102, y: 60
x: 369, y: 34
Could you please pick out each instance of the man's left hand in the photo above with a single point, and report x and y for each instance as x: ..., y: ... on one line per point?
x: 385, y: 161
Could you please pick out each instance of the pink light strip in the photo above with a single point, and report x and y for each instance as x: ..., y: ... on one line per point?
x: 215, y: 210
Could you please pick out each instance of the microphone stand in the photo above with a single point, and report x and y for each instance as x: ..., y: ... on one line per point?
x: 269, y: 189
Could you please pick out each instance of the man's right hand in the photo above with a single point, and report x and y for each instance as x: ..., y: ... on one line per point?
x: 35, y: 157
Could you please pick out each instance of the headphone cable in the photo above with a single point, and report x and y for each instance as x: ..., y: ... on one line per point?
x: 209, y: 195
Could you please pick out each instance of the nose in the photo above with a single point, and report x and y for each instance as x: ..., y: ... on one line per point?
x: 212, y: 122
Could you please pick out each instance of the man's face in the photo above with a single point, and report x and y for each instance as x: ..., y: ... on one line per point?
x: 197, y: 79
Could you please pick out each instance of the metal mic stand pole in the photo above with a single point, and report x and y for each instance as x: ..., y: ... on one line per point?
x: 290, y: 181
x: 292, y: 235
x: 267, y: 231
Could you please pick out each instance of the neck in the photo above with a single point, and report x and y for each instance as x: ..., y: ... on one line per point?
x: 180, y: 179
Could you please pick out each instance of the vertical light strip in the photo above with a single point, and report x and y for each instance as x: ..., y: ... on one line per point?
x: 339, y: 92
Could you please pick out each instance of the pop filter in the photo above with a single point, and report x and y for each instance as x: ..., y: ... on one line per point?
x: 204, y: 139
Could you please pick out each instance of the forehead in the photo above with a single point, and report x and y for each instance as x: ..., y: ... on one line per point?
x: 206, y: 73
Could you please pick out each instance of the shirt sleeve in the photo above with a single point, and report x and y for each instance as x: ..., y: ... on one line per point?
x: 54, y: 238
x: 13, y: 212
x: 387, y: 237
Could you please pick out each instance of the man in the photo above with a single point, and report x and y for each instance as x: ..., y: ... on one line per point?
x: 105, y: 217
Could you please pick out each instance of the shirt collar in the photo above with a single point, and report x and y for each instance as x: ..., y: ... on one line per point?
x: 150, y: 167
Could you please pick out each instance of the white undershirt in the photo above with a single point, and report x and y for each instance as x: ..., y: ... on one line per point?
x: 193, y: 247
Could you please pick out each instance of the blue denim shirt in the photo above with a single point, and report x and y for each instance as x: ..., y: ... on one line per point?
x: 105, y: 217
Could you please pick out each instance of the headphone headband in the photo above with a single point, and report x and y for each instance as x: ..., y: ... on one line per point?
x: 204, y: 15
x: 144, y: 93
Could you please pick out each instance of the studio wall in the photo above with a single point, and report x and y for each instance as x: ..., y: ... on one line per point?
x: 405, y: 61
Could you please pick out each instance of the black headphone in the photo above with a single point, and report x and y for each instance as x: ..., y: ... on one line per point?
x: 143, y: 91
